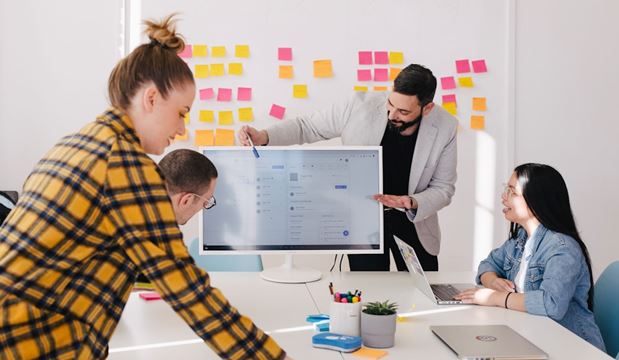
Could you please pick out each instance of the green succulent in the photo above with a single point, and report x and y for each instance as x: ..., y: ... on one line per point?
x: 380, y: 308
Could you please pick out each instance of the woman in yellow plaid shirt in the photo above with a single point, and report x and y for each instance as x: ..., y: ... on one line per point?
x: 94, y: 212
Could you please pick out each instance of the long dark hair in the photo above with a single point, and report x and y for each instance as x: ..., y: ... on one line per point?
x: 546, y: 195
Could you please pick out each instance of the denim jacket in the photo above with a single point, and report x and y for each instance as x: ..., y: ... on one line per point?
x: 557, y: 279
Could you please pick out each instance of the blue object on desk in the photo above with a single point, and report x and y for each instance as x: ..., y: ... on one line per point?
x: 337, y: 342
x: 321, y: 326
x: 316, y: 318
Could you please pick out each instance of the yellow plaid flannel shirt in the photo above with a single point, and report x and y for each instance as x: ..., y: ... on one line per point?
x: 93, y: 213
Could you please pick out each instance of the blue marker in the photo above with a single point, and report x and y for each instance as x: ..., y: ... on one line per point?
x: 253, y: 148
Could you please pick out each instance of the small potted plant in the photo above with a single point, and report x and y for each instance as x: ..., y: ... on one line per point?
x: 378, y: 321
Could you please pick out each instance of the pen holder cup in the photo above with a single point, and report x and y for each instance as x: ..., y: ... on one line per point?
x: 345, y: 318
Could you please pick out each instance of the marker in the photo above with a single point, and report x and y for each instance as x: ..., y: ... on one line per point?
x: 253, y: 148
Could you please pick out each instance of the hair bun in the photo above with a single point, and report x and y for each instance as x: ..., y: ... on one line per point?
x: 164, y: 33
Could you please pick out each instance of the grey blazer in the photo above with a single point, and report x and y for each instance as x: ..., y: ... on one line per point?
x: 362, y: 121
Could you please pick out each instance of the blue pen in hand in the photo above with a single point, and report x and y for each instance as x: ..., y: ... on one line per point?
x: 253, y: 148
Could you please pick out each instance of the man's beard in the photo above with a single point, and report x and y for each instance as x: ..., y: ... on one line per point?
x: 405, y: 125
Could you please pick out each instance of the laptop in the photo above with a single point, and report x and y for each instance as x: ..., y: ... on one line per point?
x: 487, y: 342
x: 441, y: 294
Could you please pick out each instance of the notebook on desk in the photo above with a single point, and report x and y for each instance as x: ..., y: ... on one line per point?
x: 441, y: 294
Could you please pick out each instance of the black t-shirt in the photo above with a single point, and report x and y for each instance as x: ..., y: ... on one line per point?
x: 398, y: 153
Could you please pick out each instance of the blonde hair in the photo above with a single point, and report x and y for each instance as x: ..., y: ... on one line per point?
x: 156, y: 62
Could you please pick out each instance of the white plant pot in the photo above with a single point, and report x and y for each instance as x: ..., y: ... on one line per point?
x: 378, y: 331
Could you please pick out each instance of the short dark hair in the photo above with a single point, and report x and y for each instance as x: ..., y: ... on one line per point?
x: 186, y: 170
x: 416, y: 80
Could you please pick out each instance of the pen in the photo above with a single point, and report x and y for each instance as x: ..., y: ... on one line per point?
x: 396, y: 208
x: 253, y: 148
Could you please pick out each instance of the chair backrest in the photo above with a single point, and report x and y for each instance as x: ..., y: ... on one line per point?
x: 606, y: 308
x: 250, y: 263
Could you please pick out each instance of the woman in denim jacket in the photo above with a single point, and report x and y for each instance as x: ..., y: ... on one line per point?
x: 544, y: 266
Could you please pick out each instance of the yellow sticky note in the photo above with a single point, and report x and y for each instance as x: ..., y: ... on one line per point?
x: 466, y: 81
x: 246, y: 114
x: 226, y: 118
x: 186, y: 118
x: 204, y: 138
x: 218, y: 51
x: 183, y: 137
x: 478, y: 122
x: 241, y: 51
x: 451, y: 108
x: 380, y: 88
x: 286, y: 72
x: 207, y: 116
x: 224, y: 137
x: 479, y: 103
x: 370, y: 353
x: 235, y: 69
x: 201, y: 71
x: 299, y: 91
x: 361, y: 88
x: 323, y: 69
x: 393, y: 73
x: 396, y: 57
x: 200, y: 51
x: 218, y: 70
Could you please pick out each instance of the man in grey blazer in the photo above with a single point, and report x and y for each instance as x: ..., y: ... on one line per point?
x: 419, y: 158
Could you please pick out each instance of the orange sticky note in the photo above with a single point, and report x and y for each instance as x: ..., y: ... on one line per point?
x: 218, y: 70
x: 396, y: 57
x: 299, y: 91
x: 451, y: 108
x: 478, y: 122
x: 246, y: 114
x: 224, y: 137
x: 186, y: 118
x: 235, y: 69
x: 479, y: 103
x: 323, y: 69
x: 183, y: 137
x: 207, y: 116
x: 286, y: 72
x: 204, y: 138
x: 241, y: 51
x: 218, y: 51
x: 393, y: 73
x: 380, y: 88
x: 200, y: 51
x: 201, y: 71
x: 466, y: 81
x: 370, y: 353
x: 361, y: 88
x: 226, y: 117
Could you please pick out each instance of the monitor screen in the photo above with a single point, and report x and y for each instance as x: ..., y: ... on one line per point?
x: 294, y: 199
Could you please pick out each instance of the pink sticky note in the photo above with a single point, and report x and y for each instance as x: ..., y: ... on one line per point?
x: 224, y: 94
x: 284, y: 54
x: 186, y: 53
x: 462, y: 66
x: 243, y: 94
x: 150, y: 296
x: 364, y: 75
x: 381, y: 57
x: 479, y: 66
x: 206, y: 94
x: 448, y: 83
x: 450, y: 98
x: 365, y: 58
x: 277, y: 111
x: 381, y: 74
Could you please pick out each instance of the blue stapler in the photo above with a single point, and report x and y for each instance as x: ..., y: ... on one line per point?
x: 337, y: 342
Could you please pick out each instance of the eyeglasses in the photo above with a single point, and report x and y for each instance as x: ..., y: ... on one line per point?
x: 208, y: 203
x: 509, y: 191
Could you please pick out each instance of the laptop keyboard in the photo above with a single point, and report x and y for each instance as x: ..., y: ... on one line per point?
x: 444, y: 291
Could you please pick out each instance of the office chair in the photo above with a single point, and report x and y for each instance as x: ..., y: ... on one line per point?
x: 605, y: 307
x: 249, y: 263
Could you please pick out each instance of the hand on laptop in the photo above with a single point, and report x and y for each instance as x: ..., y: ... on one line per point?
x: 481, y: 296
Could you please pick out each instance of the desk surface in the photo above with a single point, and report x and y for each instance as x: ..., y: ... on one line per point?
x: 151, y: 330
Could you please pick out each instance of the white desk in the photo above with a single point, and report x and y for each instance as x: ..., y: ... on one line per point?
x: 281, y: 310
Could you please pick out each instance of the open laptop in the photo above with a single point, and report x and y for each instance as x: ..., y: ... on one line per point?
x: 442, y: 294
x: 487, y: 342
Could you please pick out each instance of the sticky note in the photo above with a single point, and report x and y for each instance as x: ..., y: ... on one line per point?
x: 361, y: 88
x: 323, y: 69
x: 448, y: 83
x: 479, y: 103
x: 393, y: 73
x: 451, y: 108
x: 364, y: 75
x: 235, y: 68
x: 449, y: 98
x: 243, y: 94
x: 246, y: 114
x: 226, y: 117
x: 462, y: 66
x: 478, y: 122
x: 218, y: 70
x: 381, y: 57
x: 381, y: 74
x: 284, y: 54
x: 204, y: 138
x: 277, y: 111
x: 396, y: 57
x: 183, y: 137
x: 286, y: 72
x: 218, y: 51
x: 207, y: 116
x: 201, y: 71
x: 241, y: 51
x: 224, y: 137
x: 299, y: 91
x: 206, y: 94
x: 466, y: 81
x: 365, y: 58
x: 186, y: 53
x: 380, y: 88
x: 151, y: 295
x: 224, y: 94
x: 186, y: 118
x: 200, y: 51
x: 370, y: 353
x: 479, y: 66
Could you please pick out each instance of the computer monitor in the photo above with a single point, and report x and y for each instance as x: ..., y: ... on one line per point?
x: 291, y: 200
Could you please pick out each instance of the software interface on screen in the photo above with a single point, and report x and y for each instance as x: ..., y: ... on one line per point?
x: 294, y: 199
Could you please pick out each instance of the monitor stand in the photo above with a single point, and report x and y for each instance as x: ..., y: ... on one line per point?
x: 288, y: 273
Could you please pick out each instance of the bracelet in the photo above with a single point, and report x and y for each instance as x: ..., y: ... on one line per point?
x: 507, y: 297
